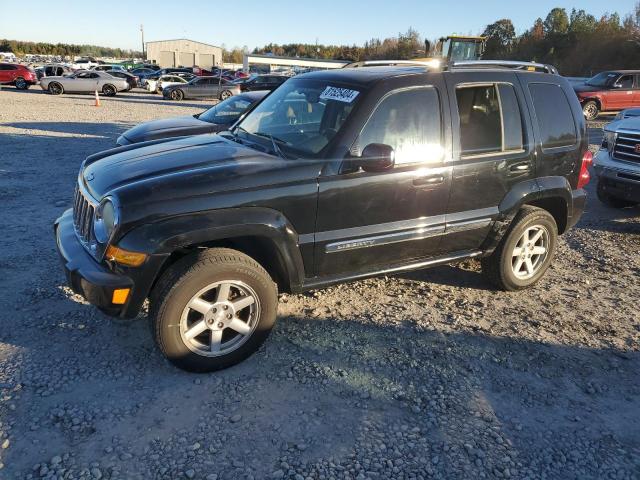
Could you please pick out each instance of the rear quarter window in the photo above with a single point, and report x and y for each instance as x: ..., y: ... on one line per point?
x: 554, y: 116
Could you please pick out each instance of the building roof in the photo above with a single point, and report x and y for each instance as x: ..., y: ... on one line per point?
x: 183, y: 40
x: 279, y: 57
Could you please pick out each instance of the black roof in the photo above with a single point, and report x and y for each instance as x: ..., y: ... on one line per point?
x: 363, y: 76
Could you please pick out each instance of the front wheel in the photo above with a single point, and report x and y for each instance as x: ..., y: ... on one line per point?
x: 177, y: 95
x: 525, y: 252
x: 109, y: 90
x: 213, y: 309
x: 55, y: 88
x: 225, y: 94
x: 590, y: 110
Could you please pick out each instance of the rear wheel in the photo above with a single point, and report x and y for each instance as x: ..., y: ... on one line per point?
x: 213, y: 309
x: 590, y: 110
x: 109, y: 90
x: 21, y: 83
x: 225, y: 94
x: 177, y: 95
x: 55, y: 88
x: 525, y: 252
x: 611, y: 201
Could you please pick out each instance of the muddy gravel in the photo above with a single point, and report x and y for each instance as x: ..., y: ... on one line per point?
x: 432, y: 374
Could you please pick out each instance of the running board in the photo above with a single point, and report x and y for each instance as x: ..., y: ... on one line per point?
x: 313, y: 283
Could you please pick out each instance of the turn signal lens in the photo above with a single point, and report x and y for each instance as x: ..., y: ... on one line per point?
x: 120, y: 296
x: 125, y: 257
x: 584, y: 177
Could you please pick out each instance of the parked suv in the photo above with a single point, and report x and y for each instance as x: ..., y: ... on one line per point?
x: 336, y: 176
x: 617, y: 164
x: 19, y: 75
x: 609, y: 92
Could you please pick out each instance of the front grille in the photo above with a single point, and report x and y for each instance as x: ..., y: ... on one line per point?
x: 83, y: 210
x: 626, y: 145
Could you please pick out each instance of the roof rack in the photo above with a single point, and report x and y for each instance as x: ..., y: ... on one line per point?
x: 513, y: 64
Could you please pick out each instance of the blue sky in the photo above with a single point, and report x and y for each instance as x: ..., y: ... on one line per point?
x: 257, y: 23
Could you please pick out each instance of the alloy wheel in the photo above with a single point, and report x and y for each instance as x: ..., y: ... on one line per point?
x: 220, y: 318
x: 530, y: 252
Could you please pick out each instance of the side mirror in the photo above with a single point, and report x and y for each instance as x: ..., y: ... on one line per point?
x: 377, y: 157
x: 617, y: 85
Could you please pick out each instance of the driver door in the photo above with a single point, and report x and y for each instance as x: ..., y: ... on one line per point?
x: 370, y: 221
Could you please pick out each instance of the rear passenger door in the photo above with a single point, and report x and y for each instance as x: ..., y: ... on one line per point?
x: 493, y: 151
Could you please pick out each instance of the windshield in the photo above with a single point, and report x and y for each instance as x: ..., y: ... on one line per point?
x: 227, y: 111
x: 302, y: 116
x: 461, y: 50
x: 603, y: 79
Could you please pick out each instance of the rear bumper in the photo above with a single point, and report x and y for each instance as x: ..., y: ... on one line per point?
x: 578, y: 204
x: 95, y: 281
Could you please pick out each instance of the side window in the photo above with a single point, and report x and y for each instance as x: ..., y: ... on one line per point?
x: 626, y: 81
x: 410, y: 122
x: 490, y: 120
x: 553, y: 112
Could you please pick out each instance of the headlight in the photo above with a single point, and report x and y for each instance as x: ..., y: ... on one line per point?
x: 609, y: 140
x: 105, y: 221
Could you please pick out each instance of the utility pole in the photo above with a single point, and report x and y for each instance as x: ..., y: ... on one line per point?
x: 144, y: 57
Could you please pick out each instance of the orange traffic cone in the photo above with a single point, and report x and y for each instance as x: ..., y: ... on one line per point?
x: 97, y: 99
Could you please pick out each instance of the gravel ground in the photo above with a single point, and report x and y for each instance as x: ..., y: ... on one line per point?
x: 424, y: 375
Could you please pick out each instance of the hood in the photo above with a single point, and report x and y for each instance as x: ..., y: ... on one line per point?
x: 630, y: 123
x: 584, y: 88
x: 170, y: 127
x: 189, y: 166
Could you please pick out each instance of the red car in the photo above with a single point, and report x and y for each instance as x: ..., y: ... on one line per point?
x: 609, y: 91
x: 19, y: 75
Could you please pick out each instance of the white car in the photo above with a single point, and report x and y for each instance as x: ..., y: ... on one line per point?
x: 156, y: 86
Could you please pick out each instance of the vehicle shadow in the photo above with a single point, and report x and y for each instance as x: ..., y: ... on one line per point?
x: 451, y: 404
x: 205, y: 104
x: 106, y: 130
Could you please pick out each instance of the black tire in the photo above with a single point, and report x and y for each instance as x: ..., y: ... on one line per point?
x: 21, y: 84
x: 226, y: 94
x: 189, y: 276
x: 109, y: 90
x: 55, y: 88
x: 611, y: 201
x: 498, y: 267
x: 591, y: 110
x: 177, y: 95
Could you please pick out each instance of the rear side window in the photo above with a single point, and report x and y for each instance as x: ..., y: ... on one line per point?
x: 553, y: 112
x: 490, y: 120
x: 408, y: 121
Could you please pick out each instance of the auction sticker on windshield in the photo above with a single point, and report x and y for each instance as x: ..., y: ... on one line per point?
x: 339, y: 94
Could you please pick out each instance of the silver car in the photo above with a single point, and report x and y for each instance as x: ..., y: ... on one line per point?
x: 85, y: 81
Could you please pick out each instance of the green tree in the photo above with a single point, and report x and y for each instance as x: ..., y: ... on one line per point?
x: 500, y: 38
x: 557, y: 22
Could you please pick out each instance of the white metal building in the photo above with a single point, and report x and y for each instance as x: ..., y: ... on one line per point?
x: 183, y: 53
x: 275, y: 62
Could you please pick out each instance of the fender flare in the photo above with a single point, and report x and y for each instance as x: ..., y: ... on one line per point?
x: 526, y: 192
x: 183, y: 231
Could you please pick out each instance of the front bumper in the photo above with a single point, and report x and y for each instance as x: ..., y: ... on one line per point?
x: 618, y: 178
x: 95, y: 281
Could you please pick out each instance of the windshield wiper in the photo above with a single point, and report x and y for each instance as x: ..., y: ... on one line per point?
x: 274, y: 142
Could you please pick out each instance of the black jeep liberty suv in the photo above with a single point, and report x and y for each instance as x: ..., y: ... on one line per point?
x: 335, y: 176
